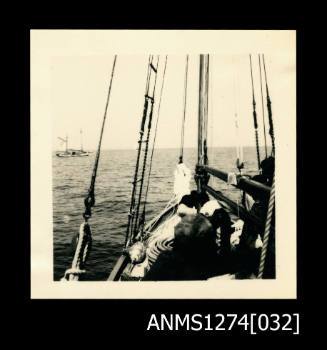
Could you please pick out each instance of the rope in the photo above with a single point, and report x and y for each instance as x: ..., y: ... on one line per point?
x: 271, y: 124
x: 271, y: 207
x: 90, y: 200
x: 137, y: 224
x: 183, y: 123
x: 255, y: 118
x: 239, y: 149
x: 82, y: 251
x: 85, y: 238
x: 145, y: 111
x: 263, y: 110
x: 154, y: 140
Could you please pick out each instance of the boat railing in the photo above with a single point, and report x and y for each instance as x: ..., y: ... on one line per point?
x: 243, y: 183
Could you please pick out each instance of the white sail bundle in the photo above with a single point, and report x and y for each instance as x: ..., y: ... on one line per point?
x: 182, y: 175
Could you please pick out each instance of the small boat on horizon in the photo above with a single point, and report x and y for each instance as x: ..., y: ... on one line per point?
x: 72, y: 152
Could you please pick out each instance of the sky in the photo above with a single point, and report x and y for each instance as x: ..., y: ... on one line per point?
x: 79, y: 85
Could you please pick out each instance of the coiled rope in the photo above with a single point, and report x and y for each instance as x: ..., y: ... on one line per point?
x: 82, y: 252
x: 255, y: 118
x: 271, y: 208
x: 84, y: 242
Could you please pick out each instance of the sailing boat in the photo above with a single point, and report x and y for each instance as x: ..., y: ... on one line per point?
x: 146, y: 241
x: 72, y: 152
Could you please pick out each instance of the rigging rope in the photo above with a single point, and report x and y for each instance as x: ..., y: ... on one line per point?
x: 239, y: 148
x: 154, y: 142
x: 90, y: 199
x: 137, y: 223
x: 255, y: 118
x: 271, y: 125
x: 83, y: 248
x: 271, y: 208
x: 183, y: 122
x: 145, y: 110
x: 133, y: 217
x: 84, y: 240
x: 263, y: 109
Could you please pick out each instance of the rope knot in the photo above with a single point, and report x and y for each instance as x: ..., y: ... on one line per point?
x: 89, y: 202
x: 72, y: 271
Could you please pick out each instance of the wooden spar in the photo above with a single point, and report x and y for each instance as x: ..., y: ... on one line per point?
x: 249, y: 186
x: 235, y: 208
x: 202, y: 112
x: 118, y: 268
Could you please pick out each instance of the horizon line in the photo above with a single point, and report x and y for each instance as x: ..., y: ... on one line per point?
x: 132, y: 149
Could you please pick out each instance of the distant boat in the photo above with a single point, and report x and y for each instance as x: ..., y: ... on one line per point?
x: 72, y: 152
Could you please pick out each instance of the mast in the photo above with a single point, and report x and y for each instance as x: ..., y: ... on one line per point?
x: 202, y: 116
x: 203, y: 171
x: 66, y: 143
x: 200, y: 112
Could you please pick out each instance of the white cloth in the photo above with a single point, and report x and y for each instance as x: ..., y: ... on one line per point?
x: 235, y: 237
x: 185, y: 210
x: 182, y: 176
x: 249, y: 201
x: 209, y: 207
x: 231, y: 179
x: 258, y: 243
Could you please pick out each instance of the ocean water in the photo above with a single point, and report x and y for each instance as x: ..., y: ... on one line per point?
x: 71, y: 180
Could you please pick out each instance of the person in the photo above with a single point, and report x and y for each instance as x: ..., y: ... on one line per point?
x: 190, y: 202
x: 196, y: 254
x: 251, y: 240
x: 224, y: 228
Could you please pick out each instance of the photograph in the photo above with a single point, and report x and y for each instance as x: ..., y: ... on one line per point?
x: 163, y: 164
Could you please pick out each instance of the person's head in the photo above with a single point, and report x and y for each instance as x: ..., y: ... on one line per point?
x: 199, y: 198
x: 221, y: 219
x: 268, y: 167
x: 189, y: 203
x: 194, y: 235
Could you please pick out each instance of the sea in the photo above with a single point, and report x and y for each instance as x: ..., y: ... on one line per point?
x: 113, y: 188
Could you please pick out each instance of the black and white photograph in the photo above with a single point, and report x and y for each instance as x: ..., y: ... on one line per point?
x: 163, y: 164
